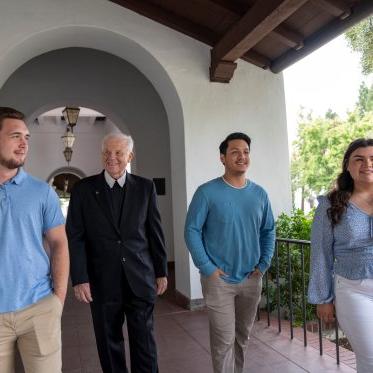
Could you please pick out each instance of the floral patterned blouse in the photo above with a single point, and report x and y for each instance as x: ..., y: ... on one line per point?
x: 346, y: 250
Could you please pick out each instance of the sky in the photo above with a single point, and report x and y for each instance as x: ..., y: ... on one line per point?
x: 328, y: 78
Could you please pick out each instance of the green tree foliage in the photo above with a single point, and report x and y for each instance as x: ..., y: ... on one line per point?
x: 365, y: 103
x: 296, y: 226
x: 360, y: 39
x: 317, y: 156
x: 322, y: 141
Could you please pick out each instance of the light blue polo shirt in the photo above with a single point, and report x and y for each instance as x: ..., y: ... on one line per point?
x: 28, y: 208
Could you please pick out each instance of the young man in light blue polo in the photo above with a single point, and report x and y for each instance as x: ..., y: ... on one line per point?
x: 32, y: 285
x: 230, y: 233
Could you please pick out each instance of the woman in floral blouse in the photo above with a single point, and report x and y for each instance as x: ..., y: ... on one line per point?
x: 342, y: 252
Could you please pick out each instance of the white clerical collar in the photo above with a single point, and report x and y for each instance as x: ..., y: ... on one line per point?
x: 110, y: 181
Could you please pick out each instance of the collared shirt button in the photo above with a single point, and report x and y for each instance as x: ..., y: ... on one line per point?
x: 123, y: 260
x: 119, y: 242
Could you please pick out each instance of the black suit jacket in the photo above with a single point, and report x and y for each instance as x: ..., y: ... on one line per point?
x: 100, y: 250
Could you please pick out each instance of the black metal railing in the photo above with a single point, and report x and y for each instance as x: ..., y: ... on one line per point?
x: 274, y: 275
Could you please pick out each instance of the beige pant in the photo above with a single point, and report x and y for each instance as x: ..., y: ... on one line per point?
x: 36, y: 330
x: 231, y: 311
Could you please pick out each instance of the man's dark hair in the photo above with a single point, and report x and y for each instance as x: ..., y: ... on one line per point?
x: 233, y: 136
x: 9, y: 113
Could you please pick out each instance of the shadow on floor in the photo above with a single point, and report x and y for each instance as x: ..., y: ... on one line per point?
x: 183, y: 344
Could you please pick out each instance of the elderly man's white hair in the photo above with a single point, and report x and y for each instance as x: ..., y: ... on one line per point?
x: 119, y: 136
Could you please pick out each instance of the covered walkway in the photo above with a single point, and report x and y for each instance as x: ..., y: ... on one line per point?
x: 183, y: 344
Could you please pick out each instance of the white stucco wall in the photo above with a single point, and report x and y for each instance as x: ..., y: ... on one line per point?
x: 200, y: 113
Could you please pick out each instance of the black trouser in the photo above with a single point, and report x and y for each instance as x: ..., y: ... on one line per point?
x: 108, y: 319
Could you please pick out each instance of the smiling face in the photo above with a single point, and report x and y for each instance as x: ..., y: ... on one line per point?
x: 14, y: 137
x: 360, y: 165
x: 236, y: 160
x: 116, y: 156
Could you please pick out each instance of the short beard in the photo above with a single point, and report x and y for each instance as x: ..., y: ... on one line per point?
x: 11, y: 164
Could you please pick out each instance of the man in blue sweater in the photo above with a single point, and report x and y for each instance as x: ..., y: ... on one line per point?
x: 230, y: 233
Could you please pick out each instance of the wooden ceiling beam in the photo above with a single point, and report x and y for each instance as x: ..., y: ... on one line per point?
x: 336, y: 8
x: 288, y: 37
x: 363, y: 10
x: 222, y: 72
x: 261, y: 19
x: 284, y: 34
x: 233, y: 6
x: 257, y: 59
x: 184, y: 26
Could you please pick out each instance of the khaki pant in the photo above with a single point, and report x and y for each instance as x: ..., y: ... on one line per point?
x: 36, y: 330
x: 231, y: 312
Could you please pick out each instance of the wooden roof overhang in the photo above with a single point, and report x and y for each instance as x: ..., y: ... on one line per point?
x: 271, y: 34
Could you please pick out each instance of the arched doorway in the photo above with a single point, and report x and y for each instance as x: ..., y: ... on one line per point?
x: 111, y: 87
x: 62, y: 181
x: 121, y: 45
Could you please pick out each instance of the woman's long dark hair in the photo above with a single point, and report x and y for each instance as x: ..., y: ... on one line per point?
x: 340, y: 195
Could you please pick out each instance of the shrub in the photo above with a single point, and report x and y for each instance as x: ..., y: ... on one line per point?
x: 294, y: 226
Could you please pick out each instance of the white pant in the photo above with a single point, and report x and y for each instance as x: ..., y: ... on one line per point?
x: 354, y: 306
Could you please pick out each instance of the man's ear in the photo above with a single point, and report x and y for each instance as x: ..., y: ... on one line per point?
x: 222, y: 159
x: 130, y: 157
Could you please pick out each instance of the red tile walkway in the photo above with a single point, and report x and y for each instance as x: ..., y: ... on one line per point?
x: 329, y: 348
x: 183, y: 344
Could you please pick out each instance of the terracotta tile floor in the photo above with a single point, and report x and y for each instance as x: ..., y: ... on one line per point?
x: 183, y: 344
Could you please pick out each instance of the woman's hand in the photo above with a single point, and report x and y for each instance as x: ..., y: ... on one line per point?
x: 326, y: 312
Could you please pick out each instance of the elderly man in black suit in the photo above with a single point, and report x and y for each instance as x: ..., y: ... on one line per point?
x: 118, y: 258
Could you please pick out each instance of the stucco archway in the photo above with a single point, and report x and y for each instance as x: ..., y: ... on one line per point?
x: 63, y: 170
x: 118, y: 45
